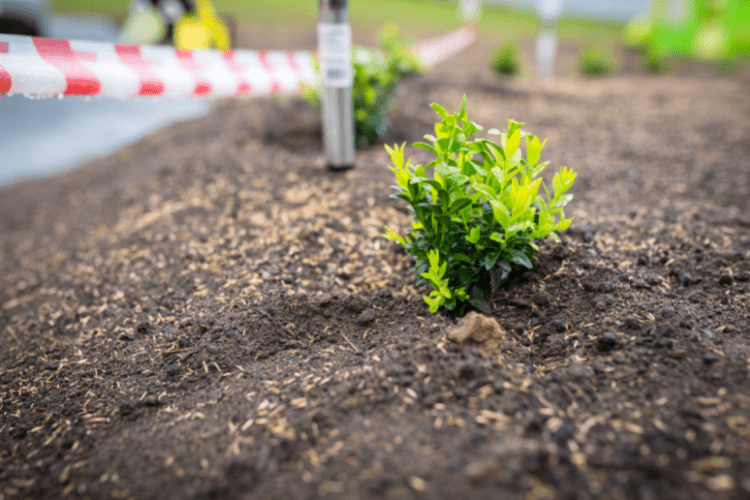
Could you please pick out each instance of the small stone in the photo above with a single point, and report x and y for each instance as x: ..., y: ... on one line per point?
x: 730, y: 330
x: 710, y: 358
x: 468, y: 371
x: 632, y: 323
x: 664, y: 342
x: 643, y: 259
x: 557, y: 325
x: 726, y: 279
x: 603, y: 301
x: 520, y: 303
x: 580, y: 371
x: 476, y: 327
x: 143, y: 328
x: 664, y: 331
x: 322, y: 300
x: 366, y: 317
x: 679, y: 353
x: 607, y: 341
x: 542, y: 299
x: 150, y: 401
x: 668, y: 313
x: 356, y: 302
x: 173, y: 369
x: 483, y: 471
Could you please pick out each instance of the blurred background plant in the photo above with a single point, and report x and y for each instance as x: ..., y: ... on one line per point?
x: 717, y: 31
x: 595, y: 61
x: 506, y: 60
x: 654, y: 61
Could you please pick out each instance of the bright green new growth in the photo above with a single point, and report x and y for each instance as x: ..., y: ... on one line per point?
x: 476, y: 219
x: 505, y: 60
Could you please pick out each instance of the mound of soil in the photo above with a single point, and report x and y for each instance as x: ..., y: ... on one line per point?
x: 210, y: 313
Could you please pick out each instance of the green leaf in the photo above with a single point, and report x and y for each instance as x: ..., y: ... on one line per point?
x: 563, y: 180
x: 462, y: 257
x: 391, y: 235
x: 561, y: 200
x: 440, y: 110
x: 521, y: 226
x: 514, y: 141
x: 533, y: 149
x: 514, y: 126
x: 501, y: 213
x: 499, y: 174
x: 491, y: 259
x: 462, y: 113
x: 519, y: 258
x: 434, y: 304
x: 474, y: 235
x: 488, y: 192
x: 426, y: 146
x: 563, y: 224
x: 459, y: 205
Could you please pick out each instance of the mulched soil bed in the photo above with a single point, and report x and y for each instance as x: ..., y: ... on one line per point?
x: 210, y: 313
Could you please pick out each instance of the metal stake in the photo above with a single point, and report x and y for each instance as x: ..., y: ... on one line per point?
x: 335, y: 54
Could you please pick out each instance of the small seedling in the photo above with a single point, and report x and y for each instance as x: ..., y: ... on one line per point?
x: 593, y: 61
x: 476, y: 221
x: 505, y: 61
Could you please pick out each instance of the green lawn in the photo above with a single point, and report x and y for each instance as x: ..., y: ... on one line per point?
x: 416, y: 17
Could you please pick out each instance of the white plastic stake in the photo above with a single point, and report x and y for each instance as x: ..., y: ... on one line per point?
x: 546, y: 44
x: 335, y: 55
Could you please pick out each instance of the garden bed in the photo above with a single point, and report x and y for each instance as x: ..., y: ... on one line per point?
x: 210, y: 313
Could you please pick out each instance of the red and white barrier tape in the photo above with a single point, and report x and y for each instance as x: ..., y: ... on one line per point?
x: 48, y: 67
x: 432, y: 52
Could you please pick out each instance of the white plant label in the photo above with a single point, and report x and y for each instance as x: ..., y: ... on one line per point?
x: 335, y: 53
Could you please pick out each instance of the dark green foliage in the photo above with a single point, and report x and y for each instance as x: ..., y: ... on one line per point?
x: 593, y: 61
x: 654, y: 62
x: 505, y: 61
x: 476, y: 220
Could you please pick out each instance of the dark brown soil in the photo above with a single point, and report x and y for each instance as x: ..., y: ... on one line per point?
x: 210, y: 313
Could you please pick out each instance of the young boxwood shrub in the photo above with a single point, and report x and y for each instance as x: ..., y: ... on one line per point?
x: 477, y: 219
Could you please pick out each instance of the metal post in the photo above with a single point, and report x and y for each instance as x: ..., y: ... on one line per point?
x: 335, y: 54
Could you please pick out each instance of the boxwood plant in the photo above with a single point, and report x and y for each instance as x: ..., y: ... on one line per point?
x: 476, y: 220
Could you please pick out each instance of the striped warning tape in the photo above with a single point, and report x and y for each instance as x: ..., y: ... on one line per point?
x: 48, y: 67
x: 432, y: 52
x: 45, y: 67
